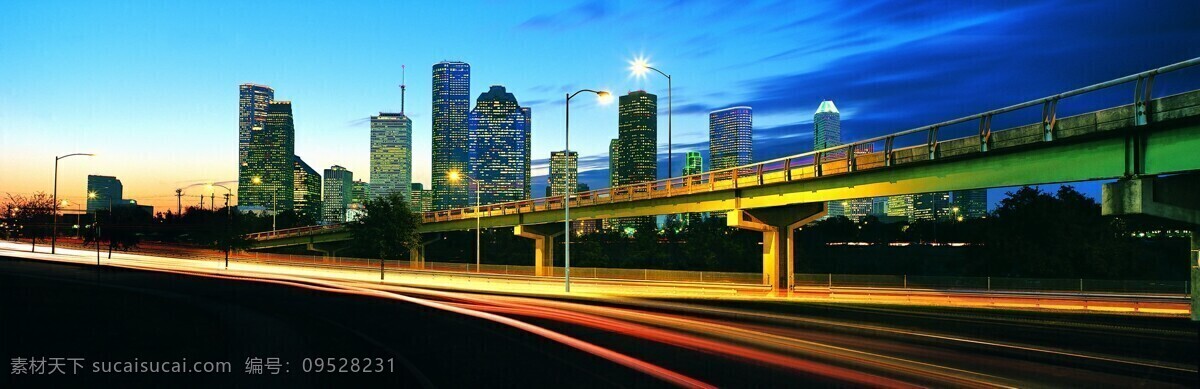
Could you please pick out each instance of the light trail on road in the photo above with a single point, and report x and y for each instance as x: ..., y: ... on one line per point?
x: 856, y: 354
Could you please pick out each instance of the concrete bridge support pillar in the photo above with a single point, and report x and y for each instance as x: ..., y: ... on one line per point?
x: 416, y: 255
x: 1169, y: 199
x: 778, y: 225
x: 543, y: 245
x: 326, y: 250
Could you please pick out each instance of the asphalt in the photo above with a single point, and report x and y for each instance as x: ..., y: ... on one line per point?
x: 59, y: 310
x: 108, y: 314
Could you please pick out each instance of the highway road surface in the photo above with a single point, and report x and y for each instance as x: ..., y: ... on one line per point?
x: 296, y: 327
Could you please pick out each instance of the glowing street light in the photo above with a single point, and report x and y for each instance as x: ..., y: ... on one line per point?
x: 54, y: 225
x: 640, y: 66
x: 603, y: 97
x: 454, y: 176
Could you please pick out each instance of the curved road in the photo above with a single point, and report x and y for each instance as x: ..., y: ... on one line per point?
x: 442, y: 338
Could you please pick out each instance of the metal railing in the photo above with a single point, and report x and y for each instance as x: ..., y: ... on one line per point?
x: 848, y: 158
x: 990, y: 284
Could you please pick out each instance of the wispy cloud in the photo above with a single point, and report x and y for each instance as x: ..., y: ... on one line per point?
x: 580, y: 14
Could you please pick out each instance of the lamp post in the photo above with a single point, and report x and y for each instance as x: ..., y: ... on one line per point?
x: 604, y: 97
x: 96, y: 224
x: 455, y: 176
x: 228, y: 219
x: 54, y: 224
x: 639, y: 67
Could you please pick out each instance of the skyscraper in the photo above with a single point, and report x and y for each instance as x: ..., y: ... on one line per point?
x: 900, y: 206
x: 730, y: 137
x: 360, y: 191
x: 636, y: 147
x: 498, y: 149
x: 637, y: 134
x: 931, y: 206
x: 614, y: 166
x: 422, y: 199
x: 827, y: 132
x: 971, y: 204
x: 308, y: 190
x: 451, y: 103
x: 253, y: 100
x: 391, y: 155
x: 102, y: 191
x: 269, y: 162
x: 564, y: 172
x: 339, y: 188
x: 693, y: 163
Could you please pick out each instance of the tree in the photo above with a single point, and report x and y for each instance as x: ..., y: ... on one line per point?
x: 32, y: 216
x: 387, y: 228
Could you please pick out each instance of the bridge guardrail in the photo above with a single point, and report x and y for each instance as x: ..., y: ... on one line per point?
x: 863, y: 154
x: 1000, y: 284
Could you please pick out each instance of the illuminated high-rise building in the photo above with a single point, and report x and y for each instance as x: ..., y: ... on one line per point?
x: 269, y: 162
x: 827, y: 132
x: 451, y: 103
x: 102, y: 191
x: 391, y: 155
x: 636, y: 147
x: 971, y: 204
x: 307, y: 194
x: 931, y: 206
x: 339, y: 191
x: 564, y: 172
x: 730, y: 133
x: 422, y: 199
x: 637, y: 134
x: 360, y: 192
x: 693, y: 163
x: 252, y: 116
x: 253, y: 100
x: 614, y: 162
x: 499, y: 149
x: 900, y: 206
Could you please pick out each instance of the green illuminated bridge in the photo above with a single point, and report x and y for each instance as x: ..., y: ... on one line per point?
x: 1141, y: 140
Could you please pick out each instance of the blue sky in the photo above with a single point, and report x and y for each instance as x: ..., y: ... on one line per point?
x: 152, y: 86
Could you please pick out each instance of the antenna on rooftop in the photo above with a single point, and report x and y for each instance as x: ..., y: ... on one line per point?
x: 402, y: 88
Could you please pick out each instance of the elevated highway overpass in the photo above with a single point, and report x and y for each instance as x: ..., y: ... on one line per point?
x: 1140, y: 140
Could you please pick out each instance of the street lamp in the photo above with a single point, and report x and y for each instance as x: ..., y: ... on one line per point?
x: 640, y: 66
x: 454, y: 177
x: 96, y: 224
x: 274, y: 200
x: 54, y: 225
x: 229, y: 218
x: 604, y: 97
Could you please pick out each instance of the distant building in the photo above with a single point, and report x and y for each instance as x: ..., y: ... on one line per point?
x: 564, y: 172
x: 339, y: 189
x: 857, y: 209
x: 499, y: 149
x: 102, y: 191
x: 253, y: 100
x: 931, y: 206
x: 730, y: 137
x: 422, y: 199
x: 269, y: 162
x: 693, y: 163
x: 971, y: 204
x: 451, y: 104
x: 900, y: 206
x: 827, y: 132
x: 391, y: 155
x: 308, y: 189
x: 360, y: 192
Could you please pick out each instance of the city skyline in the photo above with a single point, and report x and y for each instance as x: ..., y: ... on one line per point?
x: 710, y: 71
